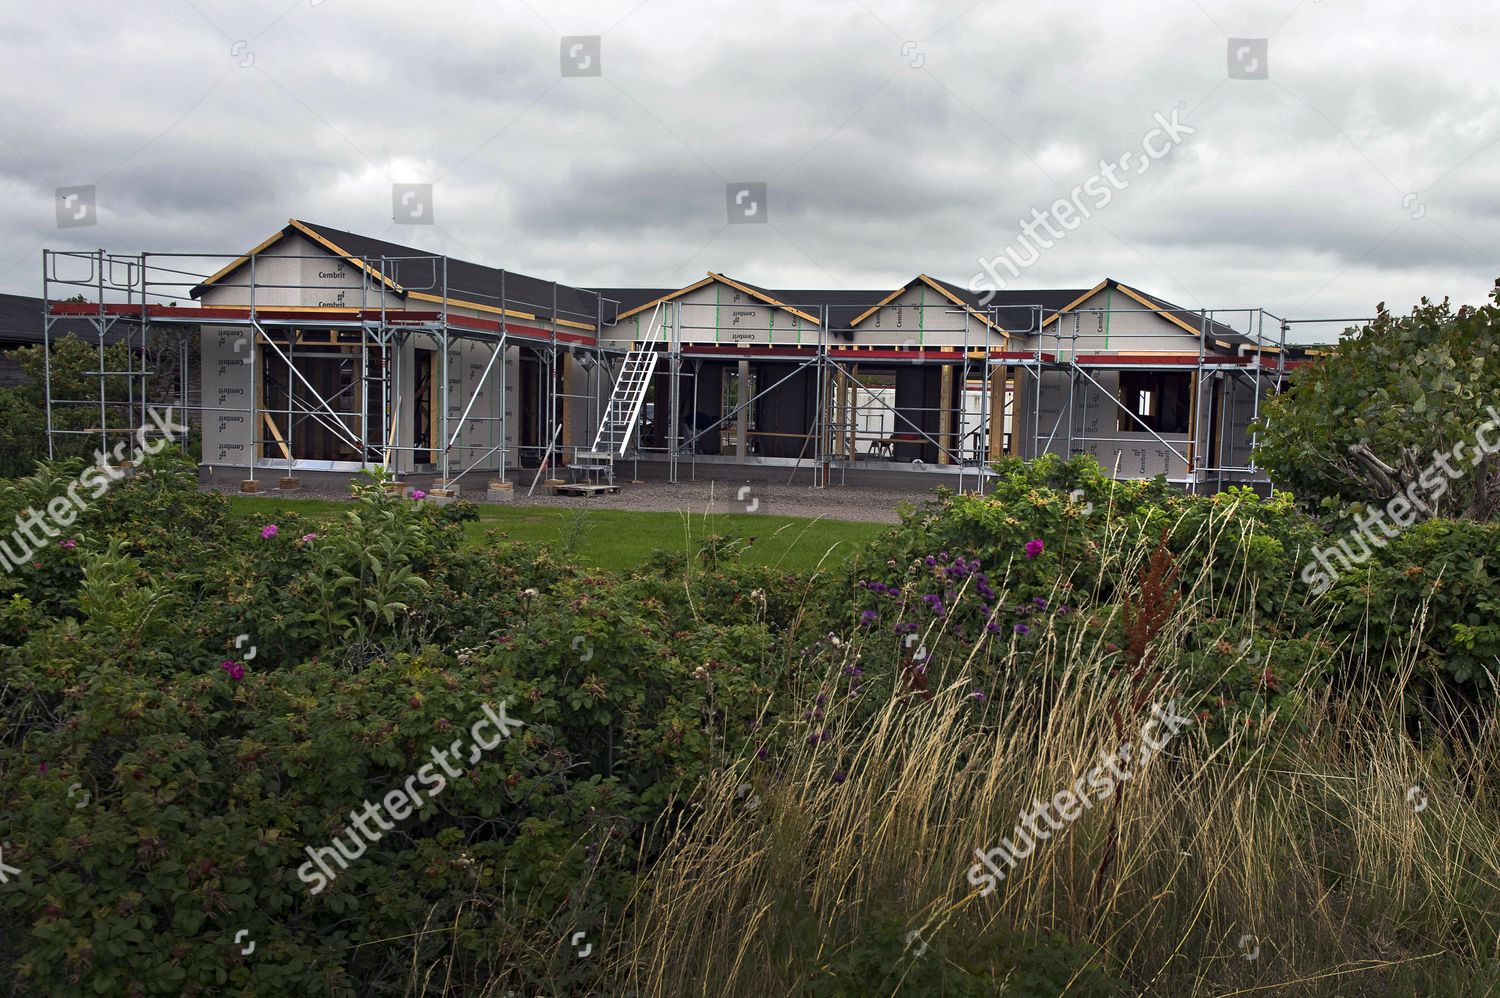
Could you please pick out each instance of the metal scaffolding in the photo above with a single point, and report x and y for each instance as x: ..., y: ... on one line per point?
x: 126, y: 297
x: 1240, y: 357
x: 982, y: 392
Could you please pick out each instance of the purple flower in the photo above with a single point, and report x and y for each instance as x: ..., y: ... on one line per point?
x: 761, y: 752
x: 929, y: 561
x: 1039, y: 601
x: 839, y: 777
x: 817, y: 736
x: 42, y: 769
x: 418, y: 494
x: 992, y: 627
x: 1021, y: 629
x: 978, y: 695
x: 1034, y: 548
x: 70, y: 543
x: 868, y: 617
x: 974, y: 564
x: 236, y: 670
x: 943, y: 555
x: 1063, y: 611
x: 853, y: 670
x: 268, y: 531
x: 894, y: 591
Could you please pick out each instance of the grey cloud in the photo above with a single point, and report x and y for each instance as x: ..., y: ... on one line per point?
x: 878, y: 168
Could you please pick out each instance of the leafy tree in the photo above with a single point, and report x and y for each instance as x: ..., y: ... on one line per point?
x: 23, y: 409
x: 1372, y: 419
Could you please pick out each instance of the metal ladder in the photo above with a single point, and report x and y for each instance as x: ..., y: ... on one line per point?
x: 626, y: 400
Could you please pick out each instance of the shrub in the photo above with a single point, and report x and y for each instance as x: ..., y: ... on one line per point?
x: 1338, y: 854
x: 210, y: 764
x: 714, y: 759
x: 1363, y: 423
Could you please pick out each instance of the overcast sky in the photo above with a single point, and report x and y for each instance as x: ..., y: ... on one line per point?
x: 893, y: 137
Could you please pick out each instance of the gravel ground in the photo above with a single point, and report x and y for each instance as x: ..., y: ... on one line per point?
x: 865, y: 504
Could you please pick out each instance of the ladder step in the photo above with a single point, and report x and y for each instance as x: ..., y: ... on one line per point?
x: 626, y: 402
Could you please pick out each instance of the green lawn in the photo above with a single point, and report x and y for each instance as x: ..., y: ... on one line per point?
x: 621, y: 539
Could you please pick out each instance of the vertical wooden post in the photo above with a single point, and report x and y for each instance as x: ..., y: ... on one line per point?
x: 742, y: 420
x: 997, y: 410
x: 945, y: 417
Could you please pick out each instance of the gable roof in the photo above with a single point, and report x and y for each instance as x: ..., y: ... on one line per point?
x: 414, y: 273
x: 760, y: 294
x: 1221, y: 334
x: 962, y: 297
x: 419, y: 274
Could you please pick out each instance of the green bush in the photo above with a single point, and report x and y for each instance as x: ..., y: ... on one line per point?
x: 370, y: 642
x: 959, y: 569
x: 191, y: 698
x: 1364, y: 423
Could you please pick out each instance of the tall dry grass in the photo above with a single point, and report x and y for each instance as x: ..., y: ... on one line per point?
x: 1291, y: 859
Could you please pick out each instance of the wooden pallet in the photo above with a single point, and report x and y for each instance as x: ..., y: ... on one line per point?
x: 583, y: 489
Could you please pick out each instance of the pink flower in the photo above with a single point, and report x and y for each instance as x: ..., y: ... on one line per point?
x: 308, y: 538
x: 1034, y: 548
x: 418, y: 494
x: 236, y: 670
x: 269, y: 530
x: 70, y: 543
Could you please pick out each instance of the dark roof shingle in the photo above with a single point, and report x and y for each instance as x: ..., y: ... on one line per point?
x: 21, y: 324
x: 474, y: 282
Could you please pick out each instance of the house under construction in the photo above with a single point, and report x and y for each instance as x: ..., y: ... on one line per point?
x: 327, y: 352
